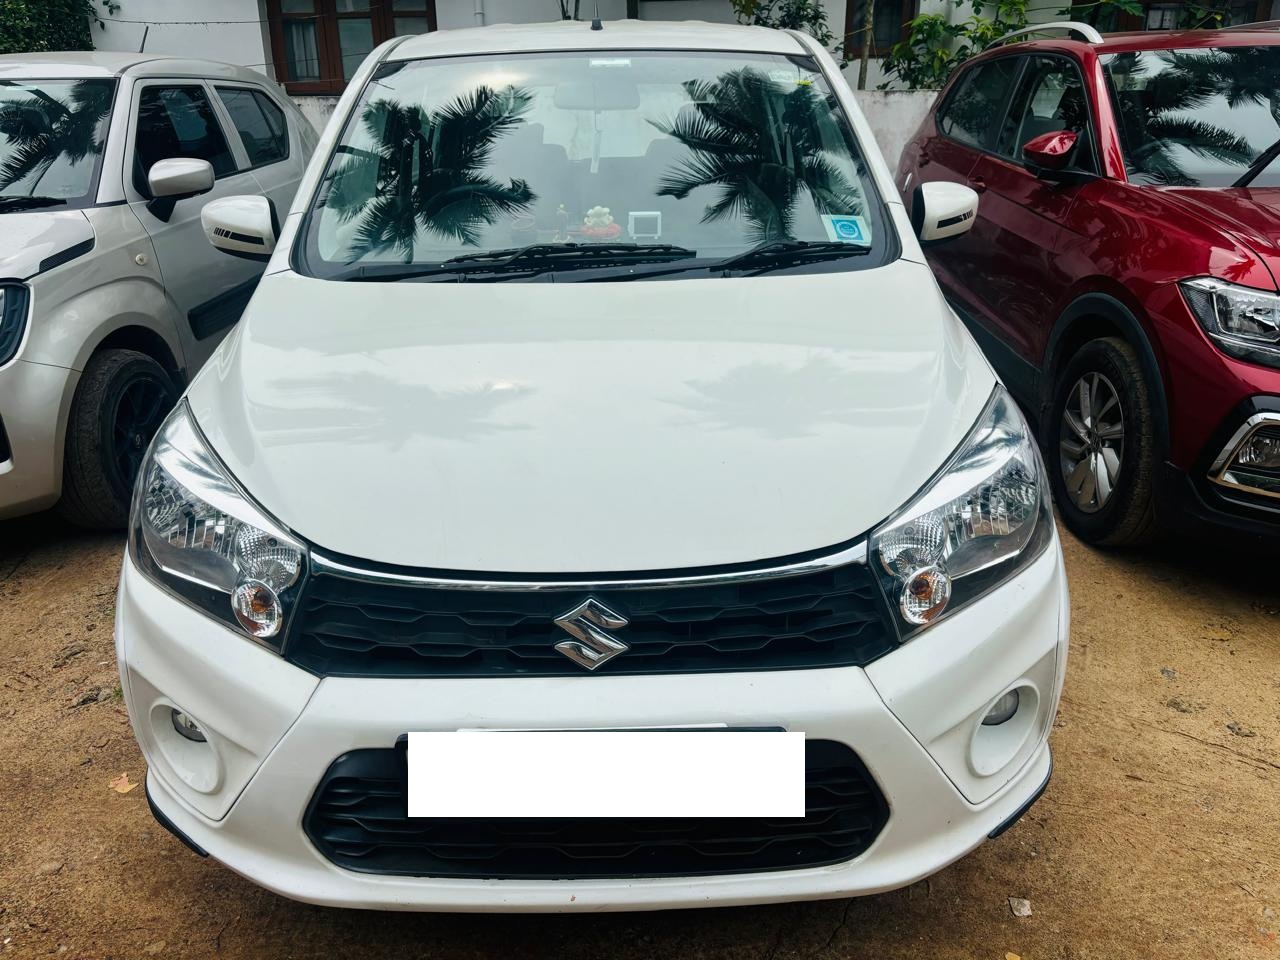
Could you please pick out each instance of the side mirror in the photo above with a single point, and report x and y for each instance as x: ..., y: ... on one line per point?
x: 941, y: 210
x: 1049, y: 152
x: 241, y: 226
x: 176, y: 179
x: 180, y: 177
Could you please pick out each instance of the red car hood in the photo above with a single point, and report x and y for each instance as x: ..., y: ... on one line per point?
x: 1252, y: 216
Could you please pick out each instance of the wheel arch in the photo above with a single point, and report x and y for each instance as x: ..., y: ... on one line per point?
x: 1093, y: 316
x: 144, y: 340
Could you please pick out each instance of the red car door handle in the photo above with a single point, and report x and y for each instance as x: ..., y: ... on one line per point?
x: 978, y: 184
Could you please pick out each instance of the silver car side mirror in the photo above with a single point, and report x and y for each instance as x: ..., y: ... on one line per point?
x: 941, y: 210
x: 242, y: 226
x: 179, y: 177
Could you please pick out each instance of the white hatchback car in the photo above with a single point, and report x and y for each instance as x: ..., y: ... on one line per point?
x: 597, y: 382
x: 110, y: 298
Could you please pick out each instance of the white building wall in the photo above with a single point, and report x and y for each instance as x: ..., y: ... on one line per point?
x: 233, y: 31
x: 236, y: 31
x: 455, y: 14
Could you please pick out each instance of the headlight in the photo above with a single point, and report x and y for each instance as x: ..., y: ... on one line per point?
x: 13, y: 319
x: 1243, y: 322
x: 198, y: 536
x: 980, y: 520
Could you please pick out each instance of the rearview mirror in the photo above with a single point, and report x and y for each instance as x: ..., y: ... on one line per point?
x: 241, y: 226
x: 941, y: 210
x: 1050, y: 152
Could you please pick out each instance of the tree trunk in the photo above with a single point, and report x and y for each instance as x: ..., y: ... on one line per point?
x: 868, y: 36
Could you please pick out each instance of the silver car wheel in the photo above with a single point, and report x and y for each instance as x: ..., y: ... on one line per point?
x: 1092, y: 442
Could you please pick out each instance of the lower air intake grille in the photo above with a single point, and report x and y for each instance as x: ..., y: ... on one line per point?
x: 357, y: 819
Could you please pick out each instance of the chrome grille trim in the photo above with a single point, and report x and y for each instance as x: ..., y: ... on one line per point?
x: 857, y: 553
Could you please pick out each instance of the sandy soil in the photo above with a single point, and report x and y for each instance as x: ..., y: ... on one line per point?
x: 1159, y: 836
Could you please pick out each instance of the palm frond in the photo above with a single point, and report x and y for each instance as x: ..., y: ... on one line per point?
x: 760, y: 143
x: 386, y: 224
x: 26, y: 160
x: 1201, y: 138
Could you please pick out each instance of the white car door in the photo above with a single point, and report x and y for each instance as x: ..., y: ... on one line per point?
x: 179, y: 118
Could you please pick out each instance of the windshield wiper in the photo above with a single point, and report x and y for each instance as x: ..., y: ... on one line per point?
x: 568, y: 252
x: 777, y: 254
x: 29, y: 203
x: 1259, y: 164
x: 535, y: 258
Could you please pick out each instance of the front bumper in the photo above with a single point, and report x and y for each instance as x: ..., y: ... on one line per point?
x: 1195, y: 504
x: 34, y: 400
x: 274, y: 729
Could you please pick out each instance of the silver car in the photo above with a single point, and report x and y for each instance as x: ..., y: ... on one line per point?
x: 110, y: 296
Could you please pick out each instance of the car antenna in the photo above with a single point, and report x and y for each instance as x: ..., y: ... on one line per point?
x: 596, y: 24
x: 145, y: 31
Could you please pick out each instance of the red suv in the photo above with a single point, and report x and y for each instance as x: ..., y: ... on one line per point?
x: 1121, y: 273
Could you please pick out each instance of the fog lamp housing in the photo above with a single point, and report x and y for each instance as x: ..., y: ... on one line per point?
x: 1003, y: 709
x: 186, y: 726
x: 1261, y: 450
x: 1250, y: 461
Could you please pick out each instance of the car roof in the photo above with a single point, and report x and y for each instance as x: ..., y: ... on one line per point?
x: 578, y: 35
x: 1139, y: 40
x: 77, y: 65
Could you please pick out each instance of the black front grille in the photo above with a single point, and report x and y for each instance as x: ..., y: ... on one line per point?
x: 357, y: 819
x: 348, y: 626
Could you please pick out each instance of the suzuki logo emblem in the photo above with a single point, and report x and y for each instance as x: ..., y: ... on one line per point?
x: 592, y: 646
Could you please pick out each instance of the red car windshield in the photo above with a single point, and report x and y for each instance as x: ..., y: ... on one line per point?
x: 1198, y: 117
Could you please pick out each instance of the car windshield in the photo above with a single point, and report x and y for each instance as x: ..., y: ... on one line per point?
x: 51, y: 138
x: 491, y: 166
x: 1199, y: 117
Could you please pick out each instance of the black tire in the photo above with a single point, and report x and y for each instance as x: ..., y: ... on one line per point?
x: 121, y: 400
x: 1126, y: 515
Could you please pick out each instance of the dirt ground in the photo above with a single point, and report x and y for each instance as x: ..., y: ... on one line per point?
x: 1159, y: 836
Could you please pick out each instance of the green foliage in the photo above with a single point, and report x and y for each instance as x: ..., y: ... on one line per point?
x: 809, y: 16
x: 935, y: 45
x: 1204, y: 16
x: 31, y: 25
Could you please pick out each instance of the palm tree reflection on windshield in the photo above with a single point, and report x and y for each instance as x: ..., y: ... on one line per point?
x: 41, y: 130
x: 761, y: 144
x: 1159, y: 101
x: 425, y: 172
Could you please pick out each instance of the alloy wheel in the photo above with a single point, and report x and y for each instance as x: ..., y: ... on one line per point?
x: 140, y: 409
x: 1091, y: 447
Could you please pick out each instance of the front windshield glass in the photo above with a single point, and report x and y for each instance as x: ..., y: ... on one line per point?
x: 1197, y: 118
x: 477, y: 158
x: 51, y: 137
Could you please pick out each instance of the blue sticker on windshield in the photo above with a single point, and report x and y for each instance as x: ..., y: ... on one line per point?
x: 846, y: 229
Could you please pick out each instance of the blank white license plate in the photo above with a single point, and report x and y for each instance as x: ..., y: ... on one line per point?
x: 606, y: 773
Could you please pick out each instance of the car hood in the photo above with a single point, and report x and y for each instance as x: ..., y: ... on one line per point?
x: 591, y: 427
x: 1252, y: 216
x: 29, y: 238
